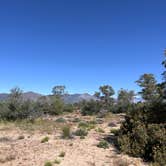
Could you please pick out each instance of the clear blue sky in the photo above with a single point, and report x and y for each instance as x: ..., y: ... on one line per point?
x: 80, y: 43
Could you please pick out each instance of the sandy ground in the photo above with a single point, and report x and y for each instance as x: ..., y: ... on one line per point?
x: 29, y: 151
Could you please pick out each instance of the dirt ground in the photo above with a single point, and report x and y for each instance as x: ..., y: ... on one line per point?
x: 20, y: 144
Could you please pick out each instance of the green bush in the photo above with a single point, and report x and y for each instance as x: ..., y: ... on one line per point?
x: 18, y: 111
x: 115, y: 131
x: 57, y: 161
x: 81, y: 132
x: 48, y: 163
x: 103, y: 144
x: 62, y: 154
x: 143, y: 133
x: 68, y: 108
x: 45, y: 139
x: 100, y: 130
x: 61, y: 120
x: 66, y: 133
x: 90, y: 108
x: 86, y: 125
x: 75, y: 120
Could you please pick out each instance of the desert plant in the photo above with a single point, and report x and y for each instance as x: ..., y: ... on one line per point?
x: 103, y: 144
x: 86, y: 125
x: 68, y: 108
x: 143, y: 133
x: 48, y: 163
x: 81, y: 132
x: 57, y: 106
x: 56, y: 161
x: 61, y: 120
x: 114, y: 131
x: 75, y: 120
x: 90, y: 108
x: 66, y: 132
x: 62, y: 154
x: 45, y: 139
x: 100, y: 130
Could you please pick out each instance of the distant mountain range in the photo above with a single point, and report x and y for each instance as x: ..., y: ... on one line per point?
x: 68, y: 98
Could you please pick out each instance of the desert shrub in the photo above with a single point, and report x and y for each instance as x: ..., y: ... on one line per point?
x: 66, y: 132
x: 82, y: 137
x: 143, y: 133
x: 86, y: 125
x: 45, y: 139
x: 81, y: 132
x: 75, y: 120
x: 62, y: 154
x: 115, y: 131
x: 83, y: 124
x: 18, y: 111
x: 68, y: 108
x: 61, y: 120
x: 90, y: 108
x: 42, y: 105
x: 103, y: 144
x: 57, y: 106
x: 56, y: 161
x: 100, y: 130
x: 48, y: 163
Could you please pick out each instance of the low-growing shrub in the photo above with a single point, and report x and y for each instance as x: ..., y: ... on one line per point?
x: 56, y: 161
x: 103, y: 144
x: 61, y: 120
x: 45, y: 139
x: 75, y: 120
x: 81, y: 132
x: 82, y: 137
x: 114, y: 131
x: 100, y: 130
x: 62, y: 154
x: 48, y: 163
x: 86, y: 125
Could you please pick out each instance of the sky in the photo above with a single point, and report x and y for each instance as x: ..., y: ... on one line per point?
x: 81, y: 44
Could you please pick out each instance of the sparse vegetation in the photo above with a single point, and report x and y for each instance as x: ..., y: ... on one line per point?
x: 45, y: 139
x: 103, y: 144
x: 81, y: 132
x: 115, y: 131
x: 142, y: 132
x: 56, y: 161
x: 100, y: 130
x: 62, y: 154
x: 66, y: 132
x: 48, y: 163
x: 87, y: 125
x: 61, y: 120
